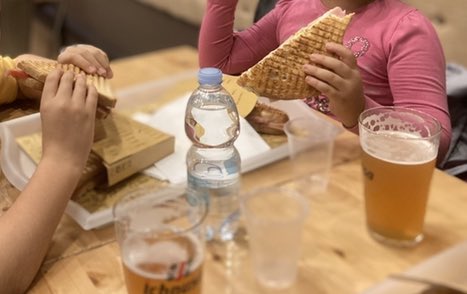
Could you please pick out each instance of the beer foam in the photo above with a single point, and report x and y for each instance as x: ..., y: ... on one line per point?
x: 399, y: 147
x: 167, y: 252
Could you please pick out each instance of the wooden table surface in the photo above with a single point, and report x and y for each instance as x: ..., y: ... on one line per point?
x: 338, y: 254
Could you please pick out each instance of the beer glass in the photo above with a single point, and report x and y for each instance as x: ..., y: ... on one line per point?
x: 161, y: 241
x: 399, y: 147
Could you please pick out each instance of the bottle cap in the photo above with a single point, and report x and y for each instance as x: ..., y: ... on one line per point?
x: 210, y: 76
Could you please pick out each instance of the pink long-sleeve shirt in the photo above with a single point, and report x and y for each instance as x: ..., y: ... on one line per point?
x: 398, y: 52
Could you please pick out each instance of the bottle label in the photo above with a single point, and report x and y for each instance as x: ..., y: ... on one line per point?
x: 202, y: 189
x: 231, y: 167
x: 197, y: 190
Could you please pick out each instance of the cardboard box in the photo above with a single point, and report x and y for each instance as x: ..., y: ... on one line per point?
x: 127, y: 147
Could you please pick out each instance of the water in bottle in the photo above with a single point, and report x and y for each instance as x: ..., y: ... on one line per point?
x: 213, y: 162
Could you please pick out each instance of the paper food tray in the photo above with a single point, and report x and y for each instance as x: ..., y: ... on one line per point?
x: 18, y: 167
x: 294, y: 108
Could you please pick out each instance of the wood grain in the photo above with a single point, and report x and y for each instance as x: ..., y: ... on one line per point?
x: 338, y: 254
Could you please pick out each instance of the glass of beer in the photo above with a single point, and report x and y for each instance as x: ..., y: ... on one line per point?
x: 400, y: 147
x: 161, y: 241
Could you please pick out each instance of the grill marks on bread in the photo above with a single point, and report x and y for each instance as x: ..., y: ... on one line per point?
x: 279, y: 75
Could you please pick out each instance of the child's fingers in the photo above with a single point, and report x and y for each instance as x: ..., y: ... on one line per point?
x: 331, y: 63
x: 81, y: 61
x: 91, y: 59
x: 99, y: 57
x: 341, y: 66
x: 51, y: 84
x: 325, y: 74
x: 91, y: 99
x: 79, y: 90
x: 65, y: 89
x: 344, y: 53
x: 95, y: 57
x: 320, y: 85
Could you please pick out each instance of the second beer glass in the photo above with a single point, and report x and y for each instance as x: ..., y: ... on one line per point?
x: 161, y: 241
x: 400, y: 147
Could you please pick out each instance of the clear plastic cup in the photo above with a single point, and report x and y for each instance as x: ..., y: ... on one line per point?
x: 311, y: 145
x: 274, y: 220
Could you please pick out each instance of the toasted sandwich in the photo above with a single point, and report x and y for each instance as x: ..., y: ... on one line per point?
x: 279, y: 75
x: 37, y: 70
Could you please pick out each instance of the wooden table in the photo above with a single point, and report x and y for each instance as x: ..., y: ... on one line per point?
x: 338, y: 254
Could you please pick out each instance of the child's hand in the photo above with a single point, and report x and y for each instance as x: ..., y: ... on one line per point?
x: 68, y: 116
x: 91, y: 59
x: 339, y: 80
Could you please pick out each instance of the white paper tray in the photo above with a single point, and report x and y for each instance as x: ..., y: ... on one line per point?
x: 18, y: 167
x: 294, y: 108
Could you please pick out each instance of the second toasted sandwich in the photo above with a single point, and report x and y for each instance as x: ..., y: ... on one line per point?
x: 37, y: 71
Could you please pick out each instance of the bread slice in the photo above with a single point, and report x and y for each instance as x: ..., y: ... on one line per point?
x: 279, y: 75
x: 39, y: 69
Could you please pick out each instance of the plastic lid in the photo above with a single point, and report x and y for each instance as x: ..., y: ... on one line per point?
x: 210, y: 76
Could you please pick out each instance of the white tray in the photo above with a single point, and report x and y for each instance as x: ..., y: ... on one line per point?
x: 18, y: 167
x: 294, y: 108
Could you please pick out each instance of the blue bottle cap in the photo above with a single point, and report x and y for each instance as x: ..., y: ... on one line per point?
x: 210, y: 76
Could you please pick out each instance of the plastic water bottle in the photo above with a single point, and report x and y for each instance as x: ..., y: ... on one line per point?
x: 213, y: 163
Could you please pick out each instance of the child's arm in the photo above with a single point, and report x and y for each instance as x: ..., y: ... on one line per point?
x: 234, y: 52
x: 68, y: 115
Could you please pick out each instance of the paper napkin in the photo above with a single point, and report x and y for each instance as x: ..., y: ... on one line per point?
x: 448, y: 267
x: 170, y: 119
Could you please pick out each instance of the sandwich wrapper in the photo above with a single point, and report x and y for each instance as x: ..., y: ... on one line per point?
x: 130, y: 147
x: 173, y: 167
x: 126, y: 148
x: 448, y: 268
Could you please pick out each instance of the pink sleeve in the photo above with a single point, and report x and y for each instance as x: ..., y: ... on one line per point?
x: 235, y: 52
x: 417, y: 72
